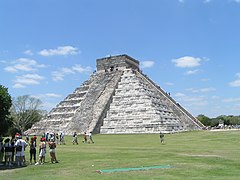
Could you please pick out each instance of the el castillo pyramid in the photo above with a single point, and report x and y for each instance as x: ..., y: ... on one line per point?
x: 117, y: 99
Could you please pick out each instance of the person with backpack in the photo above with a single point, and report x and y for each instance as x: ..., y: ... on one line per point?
x: 20, y: 145
x: 8, y: 152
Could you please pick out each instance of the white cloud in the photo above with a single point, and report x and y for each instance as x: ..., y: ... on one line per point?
x: 27, y: 79
x: 191, y: 100
x: 53, y: 95
x: 80, y: 69
x: 169, y: 84
x: 67, y: 70
x: 23, y: 64
x: 18, y: 86
x: 147, y: 64
x: 187, y: 62
x: 191, y: 72
x: 179, y: 95
x: 231, y: 100
x: 47, y: 95
x: 236, y: 83
x: 62, y: 50
x: 203, y: 90
x: 205, y: 79
x: 28, y: 52
x: 59, y: 75
x: 181, y: 1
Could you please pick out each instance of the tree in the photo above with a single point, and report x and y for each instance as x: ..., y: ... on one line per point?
x: 25, y: 112
x: 204, y: 120
x: 5, y: 105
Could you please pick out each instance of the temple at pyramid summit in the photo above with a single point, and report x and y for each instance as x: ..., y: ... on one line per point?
x: 117, y: 99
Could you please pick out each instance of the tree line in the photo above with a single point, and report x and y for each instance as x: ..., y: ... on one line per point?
x: 213, y: 122
x: 18, y: 114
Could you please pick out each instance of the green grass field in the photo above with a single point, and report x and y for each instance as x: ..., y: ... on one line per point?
x: 192, y: 155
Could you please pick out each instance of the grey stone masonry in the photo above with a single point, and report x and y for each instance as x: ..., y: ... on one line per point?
x: 117, y: 99
x: 114, y: 63
x: 136, y: 108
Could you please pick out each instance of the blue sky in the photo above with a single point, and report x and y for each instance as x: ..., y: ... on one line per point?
x: 191, y: 48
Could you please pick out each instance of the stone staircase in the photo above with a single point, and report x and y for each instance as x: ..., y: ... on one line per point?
x: 89, y: 115
x: 137, y: 108
x: 60, y: 116
x: 117, y: 99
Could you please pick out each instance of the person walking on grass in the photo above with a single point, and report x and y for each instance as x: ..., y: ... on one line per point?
x: 75, y: 138
x: 84, y: 137
x: 52, y: 146
x: 161, y: 137
x: 90, y: 138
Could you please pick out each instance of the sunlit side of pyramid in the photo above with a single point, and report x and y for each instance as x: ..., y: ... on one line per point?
x: 117, y: 99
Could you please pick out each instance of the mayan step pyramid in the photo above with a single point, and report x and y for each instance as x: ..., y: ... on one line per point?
x: 117, y: 99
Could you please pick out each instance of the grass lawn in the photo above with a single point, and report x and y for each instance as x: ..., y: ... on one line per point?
x: 192, y: 155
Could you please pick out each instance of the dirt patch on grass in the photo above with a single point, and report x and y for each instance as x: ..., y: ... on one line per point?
x: 201, y: 155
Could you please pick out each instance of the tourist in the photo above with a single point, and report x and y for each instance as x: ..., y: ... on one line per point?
x: 32, y: 150
x: 75, y: 138
x: 90, y: 137
x: 8, y: 152
x: 52, y: 146
x: 42, y: 151
x: 13, y: 140
x: 161, y: 137
x: 85, y: 138
x: 20, y: 145
x: 62, y: 141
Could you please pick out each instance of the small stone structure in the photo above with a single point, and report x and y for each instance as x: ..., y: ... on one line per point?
x: 117, y: 99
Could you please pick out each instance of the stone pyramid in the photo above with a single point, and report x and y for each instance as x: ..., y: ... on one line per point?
x: 117, y: 99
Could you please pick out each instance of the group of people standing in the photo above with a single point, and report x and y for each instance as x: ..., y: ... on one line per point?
x: 42, y: 150
x: 13, y: 150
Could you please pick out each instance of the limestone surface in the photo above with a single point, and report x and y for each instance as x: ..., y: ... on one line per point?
x: 117, y: 99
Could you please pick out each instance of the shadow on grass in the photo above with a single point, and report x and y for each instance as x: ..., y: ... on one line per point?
x: 14, y: 166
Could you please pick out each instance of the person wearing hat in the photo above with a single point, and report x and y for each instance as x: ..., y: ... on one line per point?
x: 20, y: 145
x: 8, y: 152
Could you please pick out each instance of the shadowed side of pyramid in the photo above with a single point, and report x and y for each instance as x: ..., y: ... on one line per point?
x: 118, y: 99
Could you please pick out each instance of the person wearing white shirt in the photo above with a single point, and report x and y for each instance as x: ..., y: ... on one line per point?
x: 20, y: 145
